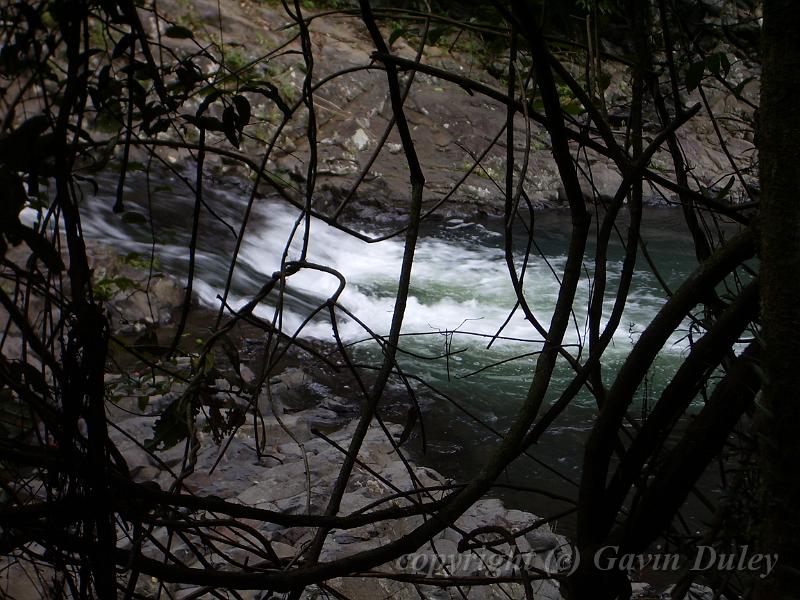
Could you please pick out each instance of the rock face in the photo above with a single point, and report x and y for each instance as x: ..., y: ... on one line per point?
x: 294, y: 474
x: 452, y: 127
x: 134, y: 296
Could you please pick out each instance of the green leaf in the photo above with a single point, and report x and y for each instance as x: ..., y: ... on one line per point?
x: 171, y: 427
x: 122, y: 45
x: 725, y: 190
x: 725, y: 63
x: 208, y: 101
x: 271, y: 92
x: 159, y: 126
x: 718, y: 64
x: 694, y: 75
x: 243, y: 109
x: 230, y: 125
x: 436, y: 33
x: 573, y: 108
x: 188, y: 74
x: 232, y: 353
x: 396, y: 34
x: 207, y: 123
x: 178, y: 32
x: 603, y: 80
x: 737, y: 91
x: 411, y: 419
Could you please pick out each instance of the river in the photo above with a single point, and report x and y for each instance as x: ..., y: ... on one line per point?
x: 460, y: 296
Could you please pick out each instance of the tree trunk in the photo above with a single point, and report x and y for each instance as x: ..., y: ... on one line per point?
x: 780, y: 292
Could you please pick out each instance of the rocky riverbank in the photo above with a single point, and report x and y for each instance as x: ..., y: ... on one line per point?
x: 452, y: 127
x: 138, y: 295
x: 294, y: 473
x: 299, y: 459
x: 265, y: 450
x: 283, y: 453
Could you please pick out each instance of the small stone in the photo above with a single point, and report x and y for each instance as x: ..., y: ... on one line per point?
x: 517, y: 517
x: 145, y: 473
x: 359, y: 141
x: 284, y: 551
x: 541, y: 541
x: 247, y: 374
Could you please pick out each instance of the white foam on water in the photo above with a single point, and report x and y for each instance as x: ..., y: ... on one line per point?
x: 458, y: 283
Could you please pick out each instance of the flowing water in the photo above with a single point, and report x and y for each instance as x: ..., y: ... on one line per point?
x: 460, y: 297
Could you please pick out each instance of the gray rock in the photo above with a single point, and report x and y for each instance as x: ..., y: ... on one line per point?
x: 359, y: 141
x: 696, y: 592
x: 271, y: 491
x: 542, y: 540
x: 284, y: 551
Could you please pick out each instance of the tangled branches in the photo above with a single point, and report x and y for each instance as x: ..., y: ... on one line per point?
x: 103, y: 96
